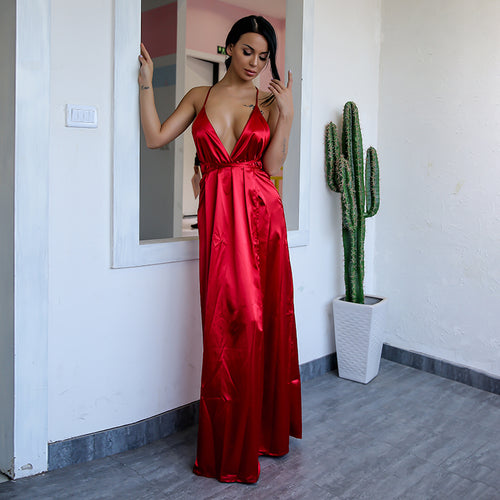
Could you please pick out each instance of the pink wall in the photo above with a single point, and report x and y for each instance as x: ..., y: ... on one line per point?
x: 159, y: 30
x: 209, y: 22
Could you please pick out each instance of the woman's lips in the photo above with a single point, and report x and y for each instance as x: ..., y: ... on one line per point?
x: 250, y: 73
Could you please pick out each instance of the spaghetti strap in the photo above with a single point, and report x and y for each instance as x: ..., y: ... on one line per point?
x: 206, y: 97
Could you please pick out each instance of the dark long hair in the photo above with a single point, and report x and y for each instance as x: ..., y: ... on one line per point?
x: 260, y: 25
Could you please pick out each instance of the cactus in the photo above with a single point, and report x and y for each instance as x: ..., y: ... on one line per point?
x: 344, y: 174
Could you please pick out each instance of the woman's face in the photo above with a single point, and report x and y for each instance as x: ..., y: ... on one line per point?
x: 249, y: 55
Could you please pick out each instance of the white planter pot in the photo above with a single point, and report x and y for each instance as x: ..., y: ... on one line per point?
x: 359, y: 331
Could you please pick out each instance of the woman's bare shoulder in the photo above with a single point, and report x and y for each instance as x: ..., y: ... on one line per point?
x: 197, y: 95
x: 199, y: 90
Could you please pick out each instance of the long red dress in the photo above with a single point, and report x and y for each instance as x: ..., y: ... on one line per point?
x: 250, y: 400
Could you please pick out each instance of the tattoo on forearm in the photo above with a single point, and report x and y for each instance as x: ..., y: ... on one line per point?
x: 283, y: 151
x: 145, y: 87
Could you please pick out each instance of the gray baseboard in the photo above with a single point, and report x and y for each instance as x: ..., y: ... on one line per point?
x: 442, y: 368
x: 128, y: 437
x: 318, y: 367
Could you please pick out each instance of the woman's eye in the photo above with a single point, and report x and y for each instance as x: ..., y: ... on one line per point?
x: 263, y: 58
x: 247, y: 53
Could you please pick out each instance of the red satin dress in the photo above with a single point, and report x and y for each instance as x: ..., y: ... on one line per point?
x: 250, y: 401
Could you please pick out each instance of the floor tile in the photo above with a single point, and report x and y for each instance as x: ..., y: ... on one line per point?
x: 405, y: 435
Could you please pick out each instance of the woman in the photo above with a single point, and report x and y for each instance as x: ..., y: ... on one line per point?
x: 250, y: 387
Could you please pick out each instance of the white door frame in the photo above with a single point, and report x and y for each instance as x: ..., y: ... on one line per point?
x: 24, y: 342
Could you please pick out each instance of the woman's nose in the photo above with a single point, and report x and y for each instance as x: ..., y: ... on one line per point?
x: 253, y: 61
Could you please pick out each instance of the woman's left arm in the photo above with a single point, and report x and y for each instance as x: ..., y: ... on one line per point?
x: 280, y: 124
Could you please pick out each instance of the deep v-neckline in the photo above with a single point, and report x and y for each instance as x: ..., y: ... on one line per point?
x: 224, y: 149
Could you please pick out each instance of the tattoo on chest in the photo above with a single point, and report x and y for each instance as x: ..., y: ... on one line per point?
x: 253, y: 106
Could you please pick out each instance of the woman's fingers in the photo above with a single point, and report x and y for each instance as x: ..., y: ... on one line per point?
x: 277, y: 84
x: 276, y: 87
x: 146, y: 69
x: 145, y: 53
x: 144, y: 57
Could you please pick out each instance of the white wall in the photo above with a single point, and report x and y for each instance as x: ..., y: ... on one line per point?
x: 125, y: 344
x: 438, y: 230
x: 342, y: 72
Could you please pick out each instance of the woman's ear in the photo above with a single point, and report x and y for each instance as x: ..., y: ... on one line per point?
x: 229, y: 49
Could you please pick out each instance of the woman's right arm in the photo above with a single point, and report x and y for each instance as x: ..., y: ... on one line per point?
x: 156, y: 133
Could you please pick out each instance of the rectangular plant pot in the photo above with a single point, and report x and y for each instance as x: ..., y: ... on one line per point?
x: 359, y: 331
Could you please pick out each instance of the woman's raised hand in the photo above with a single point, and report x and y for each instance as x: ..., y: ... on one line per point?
x: 283, y: 95
x: 146, y: 69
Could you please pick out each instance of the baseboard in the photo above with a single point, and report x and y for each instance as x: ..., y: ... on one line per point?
x: 318, y: 367
x: 128, y: 437
x: 442, y: 368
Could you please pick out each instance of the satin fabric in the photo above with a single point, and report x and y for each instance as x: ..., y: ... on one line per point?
x: 250, y: 401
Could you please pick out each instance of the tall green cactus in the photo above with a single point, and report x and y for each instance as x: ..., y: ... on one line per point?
x: 344, y: 173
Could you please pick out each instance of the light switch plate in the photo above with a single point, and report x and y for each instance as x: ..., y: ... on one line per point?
x: 81, y: 116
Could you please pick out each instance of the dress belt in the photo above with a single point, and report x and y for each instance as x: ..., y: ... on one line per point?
x: 208, y: 166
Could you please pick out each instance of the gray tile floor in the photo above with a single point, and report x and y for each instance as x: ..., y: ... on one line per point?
x: 407, y: 434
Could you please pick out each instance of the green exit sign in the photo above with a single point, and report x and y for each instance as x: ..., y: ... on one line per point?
x: 221, y: 50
